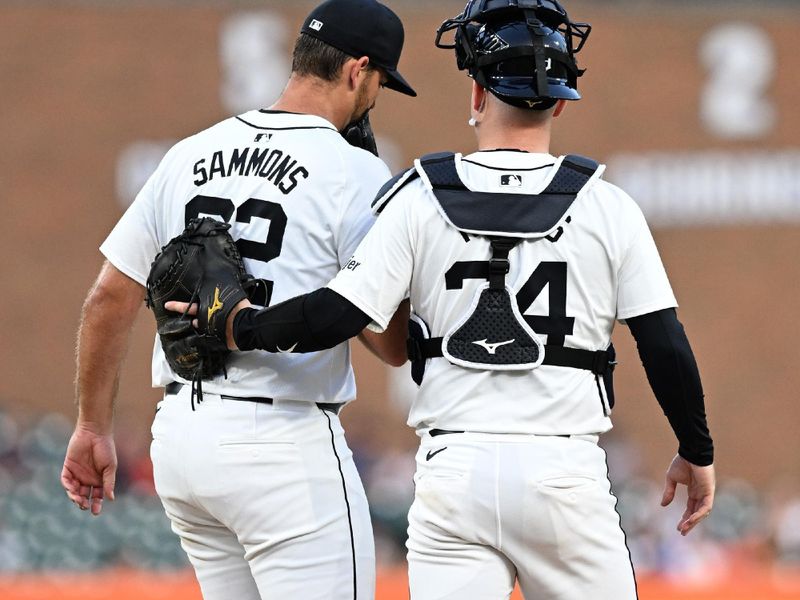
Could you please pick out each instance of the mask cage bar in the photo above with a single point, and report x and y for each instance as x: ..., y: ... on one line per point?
x: 551, y: 14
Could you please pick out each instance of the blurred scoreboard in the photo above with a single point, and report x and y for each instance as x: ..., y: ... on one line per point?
x: 695, y: 114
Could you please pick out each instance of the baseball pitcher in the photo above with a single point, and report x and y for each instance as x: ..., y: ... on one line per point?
x: 251, y: 464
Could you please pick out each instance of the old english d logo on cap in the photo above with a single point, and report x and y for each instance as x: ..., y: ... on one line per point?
x: 362, y: 28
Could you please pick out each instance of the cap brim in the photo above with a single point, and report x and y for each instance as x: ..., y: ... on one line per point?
x: 396, y: 82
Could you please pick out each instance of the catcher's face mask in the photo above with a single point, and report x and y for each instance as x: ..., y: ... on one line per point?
x: 523, y: 51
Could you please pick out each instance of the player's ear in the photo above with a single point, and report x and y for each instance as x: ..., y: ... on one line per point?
x: 560, y: 105
x: 353, y: 69
x: 478, y: 106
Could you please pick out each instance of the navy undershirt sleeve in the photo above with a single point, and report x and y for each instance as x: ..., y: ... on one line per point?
x: 309, y: 323
x: 673, y: 375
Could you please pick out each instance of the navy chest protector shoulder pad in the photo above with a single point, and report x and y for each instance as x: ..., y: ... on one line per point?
x: 485, y: 213
x: 521, y: 216
x: 493, y: 334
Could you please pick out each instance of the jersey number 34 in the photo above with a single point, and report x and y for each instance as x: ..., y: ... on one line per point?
x: 556, y: 325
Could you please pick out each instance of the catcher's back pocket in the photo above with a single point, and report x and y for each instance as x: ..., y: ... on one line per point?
x: 246, y: 442
x: 234, y: 454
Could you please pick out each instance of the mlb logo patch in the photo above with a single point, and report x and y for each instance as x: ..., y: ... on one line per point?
x: 511, y: 180
x: 315, y: 25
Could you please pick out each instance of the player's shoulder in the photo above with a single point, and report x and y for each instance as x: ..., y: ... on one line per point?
x: 403, y: 188
x: 360, y: 160
x: 612, y: 206
x: 408, y: 185
x: 361, y: 173
x: 189, y: 144
x: 211, y: 134
x: 611, y: 197
x: 597, y: 187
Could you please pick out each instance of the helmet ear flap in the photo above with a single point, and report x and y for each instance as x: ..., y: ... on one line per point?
x: 465, y: 55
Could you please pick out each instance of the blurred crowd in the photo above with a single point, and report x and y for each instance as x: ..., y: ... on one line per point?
x: 41, y: 530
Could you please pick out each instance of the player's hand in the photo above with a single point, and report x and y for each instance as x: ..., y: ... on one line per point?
x: 183, y: 308
x: 700, y: 484
x: 191, y: 309
x: 90, y: 469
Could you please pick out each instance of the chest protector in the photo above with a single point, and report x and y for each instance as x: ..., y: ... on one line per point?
x: 492, y: 334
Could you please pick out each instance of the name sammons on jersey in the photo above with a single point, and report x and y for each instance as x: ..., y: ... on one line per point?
x: 273, y: 165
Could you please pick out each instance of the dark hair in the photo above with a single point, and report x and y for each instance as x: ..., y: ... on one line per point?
x: 316, y: 58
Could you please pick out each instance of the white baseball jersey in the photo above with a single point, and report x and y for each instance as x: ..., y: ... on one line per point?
x: 602, y: 265
x: 297, y: 196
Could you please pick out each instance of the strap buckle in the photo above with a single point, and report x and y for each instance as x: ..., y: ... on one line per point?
x: 499, y: 266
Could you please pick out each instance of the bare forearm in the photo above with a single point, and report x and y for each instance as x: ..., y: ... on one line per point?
x: 390, y: 346
x: 106, y: 323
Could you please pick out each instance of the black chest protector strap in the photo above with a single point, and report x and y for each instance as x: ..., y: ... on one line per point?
x: 600, y: 362
x: 499, y: 266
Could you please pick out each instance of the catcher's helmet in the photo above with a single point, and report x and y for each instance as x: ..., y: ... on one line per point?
x: 523, y: 51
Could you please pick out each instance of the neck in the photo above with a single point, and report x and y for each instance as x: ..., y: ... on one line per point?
x: 313, y: 96
x: 529, y: 139
x: 503, y: 126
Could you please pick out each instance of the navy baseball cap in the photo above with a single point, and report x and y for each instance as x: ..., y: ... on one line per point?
x: 362, y: 28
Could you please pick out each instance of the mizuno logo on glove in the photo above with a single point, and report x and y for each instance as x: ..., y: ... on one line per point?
x: 217, y: 305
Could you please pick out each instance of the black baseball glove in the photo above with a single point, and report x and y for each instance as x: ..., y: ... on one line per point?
x: 202, y: 265
x: 359, y: 134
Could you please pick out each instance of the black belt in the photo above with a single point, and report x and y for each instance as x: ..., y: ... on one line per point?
x: 174, y: 387
x: 598, y: 362
x: 435, y: 432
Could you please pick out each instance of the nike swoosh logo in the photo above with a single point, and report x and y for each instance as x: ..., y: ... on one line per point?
x: 287, y: 350
x: 215, y: 306
x: 492, y: 348
x: 432, y: 453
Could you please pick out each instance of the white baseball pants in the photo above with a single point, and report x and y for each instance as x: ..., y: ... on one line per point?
x: 265, y: 498
x: 491, y: 509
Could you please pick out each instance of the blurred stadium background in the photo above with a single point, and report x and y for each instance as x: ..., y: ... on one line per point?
x: 693, y: 105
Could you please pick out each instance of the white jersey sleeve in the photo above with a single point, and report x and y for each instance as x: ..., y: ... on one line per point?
x: 376, y: 279
x: 362, y: 180
x: 642, y: 283
x: 133, y: 244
